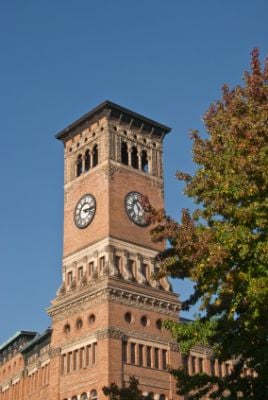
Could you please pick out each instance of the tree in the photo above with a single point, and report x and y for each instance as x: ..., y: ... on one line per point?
x: 132, y: 392
x: 222, y: 245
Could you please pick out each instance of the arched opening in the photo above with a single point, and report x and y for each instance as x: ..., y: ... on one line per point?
x: 83, y: 396
x: 79, y: 165
x: 74, y: 398
x: 93, y: 395
x: 144, y: 161
x: 134, y: 157
x: 95, y: 155
x: 124, y: 153
x: 87, y: 160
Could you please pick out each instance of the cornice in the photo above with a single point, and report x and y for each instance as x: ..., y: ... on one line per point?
x: 111, y: 289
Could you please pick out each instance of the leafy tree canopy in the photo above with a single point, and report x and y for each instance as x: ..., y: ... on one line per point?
x: 132, y: 392
x: 222, y: 246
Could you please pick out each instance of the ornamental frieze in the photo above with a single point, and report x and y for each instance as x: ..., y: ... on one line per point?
x: 89, y: 300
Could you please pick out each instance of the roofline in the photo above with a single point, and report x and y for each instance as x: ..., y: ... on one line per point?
x: 15, y: 336
x: 105, y: 106
x: 37, y: 339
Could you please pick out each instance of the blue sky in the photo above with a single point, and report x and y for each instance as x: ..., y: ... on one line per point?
x: 60, y: 58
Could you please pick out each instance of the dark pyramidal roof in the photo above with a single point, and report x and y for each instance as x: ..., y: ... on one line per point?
x: 114, y: 111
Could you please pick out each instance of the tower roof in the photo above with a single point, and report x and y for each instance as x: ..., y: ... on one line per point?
x: 116, y: 112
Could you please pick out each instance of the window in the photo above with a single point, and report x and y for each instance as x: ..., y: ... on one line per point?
x: 79, y: 323
x: 93, y: 395
x: 144, y: 161
x: 145, y: 270
x: 162, y: 397
x: 124, y: 153
x: 149, y: 358
x: 140, y: 354
x: 67, y: 328
x: 124, y: 351
x: 144, y: 320
x: 87, y: 160
x: 79, y: 165
x: 102, y: 263
x: 128, y: 317
x: 132, y: 353
x: 88, y: 352
x: 63, y: 362
x: 95, y: 154
x: 83, y: 396
x: 220, y: 369
x: 185, y: 362
x: 80, y: 273
x: 134, y: 158
x: 91, y: 319
x: 90, y: 268
x: 228, y: 368
x: 156, y: 358
x: 201, y: 365
x: 118, y: 264
x: 75, y: 354
x: 81, y: 357
x: 69, y: 277
x: 69, y: 357
x: 94, y: 348
x: 132, y: 268
x: 192, y: 360
x: 212, y: 367
x: 159, y: 324
x: 164, y: 356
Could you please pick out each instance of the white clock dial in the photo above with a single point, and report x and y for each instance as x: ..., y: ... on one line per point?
x: 134, y: 208
x: 84, y: 211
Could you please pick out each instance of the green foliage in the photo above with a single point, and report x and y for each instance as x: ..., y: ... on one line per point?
x: 222, y: 246
x: 132, y: 392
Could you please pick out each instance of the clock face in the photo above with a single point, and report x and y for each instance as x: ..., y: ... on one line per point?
x: 134, y: 208
x: 84, y: 211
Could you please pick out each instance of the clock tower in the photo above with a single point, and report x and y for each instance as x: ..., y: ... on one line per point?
x: 107, y: 315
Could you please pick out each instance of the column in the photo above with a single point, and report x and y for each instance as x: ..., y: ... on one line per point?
x: 137, y: 359
x: 139, y: 158
x: 140, y: 277
x: 191, y: 365
x: 126, y: 273
x: 111, y: 264
x: 152, y: 357
x: 128, y: 352
x: 129, y: 154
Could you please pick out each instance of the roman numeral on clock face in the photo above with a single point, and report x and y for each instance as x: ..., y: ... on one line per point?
x: 85, y: 211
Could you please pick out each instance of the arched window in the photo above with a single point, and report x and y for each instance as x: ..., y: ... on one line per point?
x: 83, y: 396
x: 134, y: 157
x: 93, y: 395
x: 79, y: 165
x: 144, y: 161
x: 95, y: 155
x: 74, y: 398
x: 124, y: 153
x: 87, y: 160
x: 162, y: 397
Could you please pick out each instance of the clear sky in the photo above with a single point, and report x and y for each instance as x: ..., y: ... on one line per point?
x: 60, y: 58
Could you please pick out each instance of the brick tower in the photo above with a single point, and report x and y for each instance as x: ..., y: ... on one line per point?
x: 106, y: 318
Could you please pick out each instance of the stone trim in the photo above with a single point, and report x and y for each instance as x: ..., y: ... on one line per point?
x: 65, y: 305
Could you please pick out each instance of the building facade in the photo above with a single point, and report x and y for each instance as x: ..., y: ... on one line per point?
x: 106, y: 319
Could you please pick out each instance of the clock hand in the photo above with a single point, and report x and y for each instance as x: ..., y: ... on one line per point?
x: 88, y: 209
